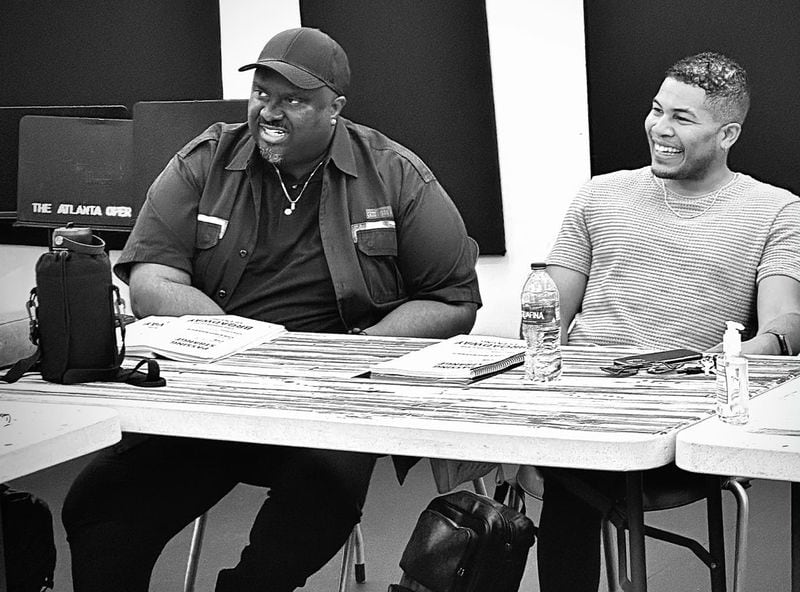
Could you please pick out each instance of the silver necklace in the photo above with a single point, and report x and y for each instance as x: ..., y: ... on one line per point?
x: 711, y: 205
x: 290, y: 210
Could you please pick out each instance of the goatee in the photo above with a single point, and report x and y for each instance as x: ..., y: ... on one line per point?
x: 269, y: 155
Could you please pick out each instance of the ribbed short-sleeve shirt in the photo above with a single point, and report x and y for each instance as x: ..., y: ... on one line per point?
x: 658, y: 280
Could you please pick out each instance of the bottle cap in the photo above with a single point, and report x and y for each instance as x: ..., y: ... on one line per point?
x: 538, y: 265
x: 62, y: 236
x: 732, y: 339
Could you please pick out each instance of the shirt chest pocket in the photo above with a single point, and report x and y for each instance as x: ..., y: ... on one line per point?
x: 377, y: 255
x: 377, y: 242
x: 207, y: 235
x: 205, y: 240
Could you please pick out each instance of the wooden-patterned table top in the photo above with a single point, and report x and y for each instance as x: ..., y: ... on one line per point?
x: 311, y: 389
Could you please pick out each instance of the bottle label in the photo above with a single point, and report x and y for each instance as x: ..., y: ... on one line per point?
x: 533, y: 314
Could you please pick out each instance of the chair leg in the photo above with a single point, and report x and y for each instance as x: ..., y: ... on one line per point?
x: 610, y: 555
x: 347, y: 561
x: 716, y: 534
x: 353, y: 557
x: 742, y: 519
x: 359, y: 565
x: 194, y: 553
x: 480, y: 486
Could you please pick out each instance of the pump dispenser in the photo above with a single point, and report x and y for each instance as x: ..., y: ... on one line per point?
x: 733, y: 393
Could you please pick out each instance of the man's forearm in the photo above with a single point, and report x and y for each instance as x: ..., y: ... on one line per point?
x: 765, y: 342
x: 168, y: 298
x: 426, y: 318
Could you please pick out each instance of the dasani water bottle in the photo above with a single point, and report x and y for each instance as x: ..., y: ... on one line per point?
x: 541, y: 325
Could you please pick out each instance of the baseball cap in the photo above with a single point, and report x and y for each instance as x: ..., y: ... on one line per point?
x: 307, y: 58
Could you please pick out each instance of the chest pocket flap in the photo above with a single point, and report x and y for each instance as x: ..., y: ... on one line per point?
x: 209, y: 230
x: 377, y: 242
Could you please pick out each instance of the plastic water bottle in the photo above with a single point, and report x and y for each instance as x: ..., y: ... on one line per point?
x: 733, y: 393
x: 541, y: 326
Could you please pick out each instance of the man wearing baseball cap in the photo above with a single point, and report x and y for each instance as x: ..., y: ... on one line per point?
x: 298, y: 217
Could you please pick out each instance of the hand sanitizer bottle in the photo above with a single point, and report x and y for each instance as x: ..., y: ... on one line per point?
x: 733, y: 394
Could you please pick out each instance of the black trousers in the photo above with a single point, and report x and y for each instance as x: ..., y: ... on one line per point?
x: 569, y: 547
x: 134, y: 497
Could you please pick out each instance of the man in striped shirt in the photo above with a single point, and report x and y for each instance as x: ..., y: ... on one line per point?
x: 661, y: 257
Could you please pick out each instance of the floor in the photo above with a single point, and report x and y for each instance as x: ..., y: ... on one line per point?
x: 391, y: 513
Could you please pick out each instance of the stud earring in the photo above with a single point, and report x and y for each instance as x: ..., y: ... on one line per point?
x: 333, y: 121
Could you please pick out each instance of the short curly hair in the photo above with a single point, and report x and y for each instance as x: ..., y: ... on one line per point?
x: 725, y: 83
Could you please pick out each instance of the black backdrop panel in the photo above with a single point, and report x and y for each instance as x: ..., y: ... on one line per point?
x: 9, y: 146
x: 630, y: 44
x: 421, y: 74
x: 109, y: 52
x: 105, y: 52
x: 160, y: 129
x: 85, y: 176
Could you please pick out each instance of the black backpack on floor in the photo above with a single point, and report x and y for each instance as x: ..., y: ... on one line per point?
x: 30, y: 551
x: 466, y: 542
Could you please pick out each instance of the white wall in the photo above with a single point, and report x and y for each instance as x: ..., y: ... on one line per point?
x: 537, y: 53
x: 539, y: 78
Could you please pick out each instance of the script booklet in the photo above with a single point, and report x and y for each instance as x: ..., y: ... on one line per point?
x: 462, y: 357
x: 196, y: 338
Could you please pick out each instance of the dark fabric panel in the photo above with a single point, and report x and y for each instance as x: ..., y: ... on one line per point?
x: 104, y: 52
x: 630, y: 44
x: 421, y: 74
x: 161, y: 128
x: 85, y: 178
x: 10, y: 118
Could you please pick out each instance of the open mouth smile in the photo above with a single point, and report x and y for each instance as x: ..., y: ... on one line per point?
x: 272, y: 135
x: 666, y: 151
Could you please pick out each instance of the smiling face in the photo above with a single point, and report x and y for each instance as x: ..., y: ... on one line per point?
x: 686, y: 141
x: 291, y: 126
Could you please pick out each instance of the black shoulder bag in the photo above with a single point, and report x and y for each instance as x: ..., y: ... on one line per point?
x: 75, y: 311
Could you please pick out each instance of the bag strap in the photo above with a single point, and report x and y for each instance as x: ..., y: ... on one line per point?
x: 28, y: 364
x: 511, y: 495
x: 119, y: 321
x: 134, y: 376
x: 22, y: 366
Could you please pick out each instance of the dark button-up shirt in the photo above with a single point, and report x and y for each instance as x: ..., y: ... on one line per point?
x: 389, y: 231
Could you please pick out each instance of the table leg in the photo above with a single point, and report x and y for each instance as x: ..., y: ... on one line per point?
x: 795, y: 530
x: 633, y: 482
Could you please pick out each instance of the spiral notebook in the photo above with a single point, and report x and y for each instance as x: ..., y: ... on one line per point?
x: 462, y: 357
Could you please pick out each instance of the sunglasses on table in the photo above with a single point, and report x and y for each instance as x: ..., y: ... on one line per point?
x: 681, y: 361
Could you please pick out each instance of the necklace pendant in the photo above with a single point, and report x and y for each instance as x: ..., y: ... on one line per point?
x: 290, y: 210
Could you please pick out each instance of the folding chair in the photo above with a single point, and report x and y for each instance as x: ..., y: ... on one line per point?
x: 663, y: 492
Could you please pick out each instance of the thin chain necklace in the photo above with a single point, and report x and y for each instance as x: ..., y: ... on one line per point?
x: 711, y: 205
x: 290, y: 210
